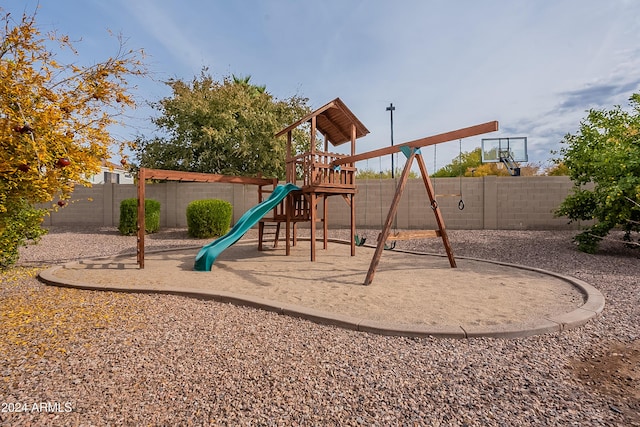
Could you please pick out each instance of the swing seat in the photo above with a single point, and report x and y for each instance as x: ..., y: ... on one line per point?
x: 388, y: 247
x: 359, y: 240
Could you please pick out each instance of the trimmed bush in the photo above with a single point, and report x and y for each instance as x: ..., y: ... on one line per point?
x: 129, y: 216
x: 208, y: 218
x: 20, y: 224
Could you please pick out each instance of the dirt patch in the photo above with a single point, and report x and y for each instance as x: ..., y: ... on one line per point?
x: 614, y: 371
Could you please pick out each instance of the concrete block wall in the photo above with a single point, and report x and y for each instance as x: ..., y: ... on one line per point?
x: 490, y: 203
x: 531, y: 202
x: 87, y: 206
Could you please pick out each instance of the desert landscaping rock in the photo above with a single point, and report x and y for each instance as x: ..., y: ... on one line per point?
x: 171, y: 360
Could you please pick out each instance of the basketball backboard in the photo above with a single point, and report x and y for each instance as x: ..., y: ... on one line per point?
x: 495, y: 150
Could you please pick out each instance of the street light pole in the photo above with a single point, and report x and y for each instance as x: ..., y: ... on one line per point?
x: 391, y: 109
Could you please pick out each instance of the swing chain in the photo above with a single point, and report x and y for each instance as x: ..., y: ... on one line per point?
x: 461, y: 202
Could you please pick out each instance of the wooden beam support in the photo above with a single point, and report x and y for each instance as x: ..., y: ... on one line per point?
x: 352, y: 203
x: 306, y: 118
x: 385, y: 235
x: 313, y: 202
x: 436, y: 211
x: 423, y: 142
x: 326, y: 142
x: 290, y: 167
x: 328, y: 124
x: 386, y: 229
x: 314, y: 128
x: 171, y: 175
x: 325, y: 222
x: 141, y: 224
x: 288, y: 210
x: 415, y: 234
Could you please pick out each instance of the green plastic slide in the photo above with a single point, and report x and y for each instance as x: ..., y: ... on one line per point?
x: 210, y: 252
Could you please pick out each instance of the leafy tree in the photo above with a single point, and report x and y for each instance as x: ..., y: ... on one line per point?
x: 54, y: 121
x: 558, y: 169
x: 487, y: 169
x: 470, y: 164
x: 603, y: 159
x: 225, y: 127
x: 245, y: 81
x: 461, y: 164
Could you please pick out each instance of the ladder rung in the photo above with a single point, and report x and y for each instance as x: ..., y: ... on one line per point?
x: 270, y: 232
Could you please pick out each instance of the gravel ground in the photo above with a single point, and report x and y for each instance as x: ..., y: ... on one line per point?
x: 83, y: 358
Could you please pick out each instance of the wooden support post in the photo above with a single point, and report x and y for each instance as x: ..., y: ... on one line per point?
x: 436, y: 210
x: 288, y: 210
x: 313, y: 200
x: 294, y: 228
x: 290, y: 165
x: 352, y: 203
x: 312, y: 150
x: 386, y: 230
x: 141, y: 224
x: 326, y: 142
x: 325, y: 223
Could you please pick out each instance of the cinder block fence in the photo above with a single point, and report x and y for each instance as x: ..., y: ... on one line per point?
x: 507, y: 203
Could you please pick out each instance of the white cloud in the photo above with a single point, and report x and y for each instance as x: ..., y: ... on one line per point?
x: 534, y: 66
x: 173, y: 34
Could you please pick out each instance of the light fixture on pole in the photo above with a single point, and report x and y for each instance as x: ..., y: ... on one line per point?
x: 391, y: 109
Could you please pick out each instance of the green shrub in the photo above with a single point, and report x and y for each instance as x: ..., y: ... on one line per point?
x: 129, y: 216
x: 19, y: 224
x: 208, y: 217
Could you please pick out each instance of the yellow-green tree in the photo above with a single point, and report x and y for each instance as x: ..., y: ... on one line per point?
x: 603, y: 160
x: 470, y: 164
x: 54, y: 123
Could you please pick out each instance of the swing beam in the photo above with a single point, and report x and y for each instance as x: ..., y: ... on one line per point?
x: 412, y: 150
x: 422, y: 142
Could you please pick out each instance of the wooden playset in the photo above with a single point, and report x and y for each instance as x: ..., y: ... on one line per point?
x: 322, y: 174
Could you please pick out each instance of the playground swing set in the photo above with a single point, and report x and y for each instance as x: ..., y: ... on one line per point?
x: 360, y: 239
x: 319, y: 175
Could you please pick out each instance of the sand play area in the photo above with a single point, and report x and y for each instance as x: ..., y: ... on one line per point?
x: 411, y: 294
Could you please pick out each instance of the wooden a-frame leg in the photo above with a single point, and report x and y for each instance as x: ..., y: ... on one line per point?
x: 436, y: 210
x: 389, y: 221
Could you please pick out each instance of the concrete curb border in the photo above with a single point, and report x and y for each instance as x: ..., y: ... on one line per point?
x: 593, y: 306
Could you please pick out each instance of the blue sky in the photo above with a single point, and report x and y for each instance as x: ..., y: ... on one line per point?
x: 536, y: 66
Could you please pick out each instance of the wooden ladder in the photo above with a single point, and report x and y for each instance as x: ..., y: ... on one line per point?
x: 268, y: 232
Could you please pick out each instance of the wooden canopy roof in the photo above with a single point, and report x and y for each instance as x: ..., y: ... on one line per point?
x: 334, y: 120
